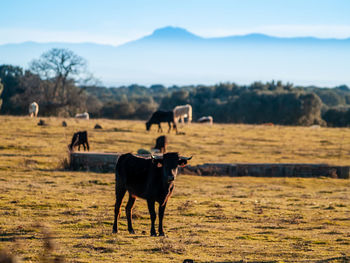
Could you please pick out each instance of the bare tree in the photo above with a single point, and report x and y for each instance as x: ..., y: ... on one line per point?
x: 59, y: 66
x: 52, y: 82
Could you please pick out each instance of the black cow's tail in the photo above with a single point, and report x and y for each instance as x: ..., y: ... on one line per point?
x: 119, y: 166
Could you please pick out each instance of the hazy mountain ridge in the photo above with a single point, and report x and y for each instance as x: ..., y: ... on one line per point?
x: 182, y: 35
x: 174, y: 55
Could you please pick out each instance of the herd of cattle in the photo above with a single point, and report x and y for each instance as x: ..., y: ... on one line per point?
x: 180, y: 114
x: 150, y: 178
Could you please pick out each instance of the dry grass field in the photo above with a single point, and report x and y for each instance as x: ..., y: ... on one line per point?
x: 208, y: 219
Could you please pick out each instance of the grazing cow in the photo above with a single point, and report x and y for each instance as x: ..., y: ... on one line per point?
x: 84, y: 116
x: 98, y: 126
x: 41, y: 123
x: 151, y: 179
x: 183, y: 111
x: 33, y: 109
x: 79, y: 138
x: 206, y: 119
x: 161, y: 116
x: 161, y: 144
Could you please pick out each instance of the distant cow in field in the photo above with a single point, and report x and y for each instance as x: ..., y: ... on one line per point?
x: 41, y: 123
x: 161, y: 144
x: 206, y: 119
x: 268, y: 124
x: 183, y: 111
x: 79, y: 138
x: 33, y: 109
x: 83, y: 115
x: 151, y: 179
x: 159, y: 117
x: 98, y: 126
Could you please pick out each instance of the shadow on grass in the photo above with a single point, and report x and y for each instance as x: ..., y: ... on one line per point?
x: 13, y: 236
x: 342, y: 259
x: 243, y: 261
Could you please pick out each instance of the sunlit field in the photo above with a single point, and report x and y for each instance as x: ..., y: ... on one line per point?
x: 208, y: 219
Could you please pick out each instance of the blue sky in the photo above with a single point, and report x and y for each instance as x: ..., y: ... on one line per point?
x: 116, y: 22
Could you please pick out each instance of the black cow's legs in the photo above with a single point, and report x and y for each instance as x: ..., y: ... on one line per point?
x: 160, y: 128
x: 169, y: 127
x: 152, y: 213
x: 120, y: 192
x: 161, y: 215
x: 129, y: 207
x: 175, y: 127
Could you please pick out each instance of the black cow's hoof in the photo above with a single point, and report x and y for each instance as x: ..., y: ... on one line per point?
x: 153, y: 234
x: 115, y: 231
x: 132, y: 231
x: 161, y: 234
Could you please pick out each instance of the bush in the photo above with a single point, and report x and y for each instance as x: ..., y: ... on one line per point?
x: 337, y: 117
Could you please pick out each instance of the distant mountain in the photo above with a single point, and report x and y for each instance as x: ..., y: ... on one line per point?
x: 176, y: 35
x: 173, y: 55
x: 171, y: 33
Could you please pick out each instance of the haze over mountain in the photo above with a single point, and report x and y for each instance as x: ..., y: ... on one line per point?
x: 173, y: 55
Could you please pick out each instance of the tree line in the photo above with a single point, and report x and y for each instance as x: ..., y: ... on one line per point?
x: 59, y: 82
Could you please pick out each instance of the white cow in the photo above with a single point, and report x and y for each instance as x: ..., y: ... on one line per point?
x: 33, y: 109
x: 83, y: 115
x: 206, y: 119
x: 182, y: 112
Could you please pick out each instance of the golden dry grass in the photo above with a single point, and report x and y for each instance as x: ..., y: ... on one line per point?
x: 208, y: 219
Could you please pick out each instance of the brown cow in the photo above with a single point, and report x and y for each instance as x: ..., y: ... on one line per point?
x: 161, y: 144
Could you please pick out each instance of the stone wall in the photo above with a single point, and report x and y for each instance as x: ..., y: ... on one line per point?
x: 98, y: 162
x: 270, y: 170
x: 105, y: 162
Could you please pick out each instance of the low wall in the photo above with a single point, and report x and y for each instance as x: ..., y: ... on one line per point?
x: 270, y: 170
x: 92, y: 161
x: 105, y: 162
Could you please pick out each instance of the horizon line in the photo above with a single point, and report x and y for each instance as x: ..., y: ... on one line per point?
x: 109, y: 43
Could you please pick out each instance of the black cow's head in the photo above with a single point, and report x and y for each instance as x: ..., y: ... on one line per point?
x: 148, y: 125
x: 170, y: 163
x: 75, y: 139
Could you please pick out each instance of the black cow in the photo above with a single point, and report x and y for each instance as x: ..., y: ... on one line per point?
x: 161, y: 144
x: 161, y: 116
x: 151, y: 179
x: 79, y: 138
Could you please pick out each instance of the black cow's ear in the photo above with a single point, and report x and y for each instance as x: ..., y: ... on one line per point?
x: 182, y: 162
